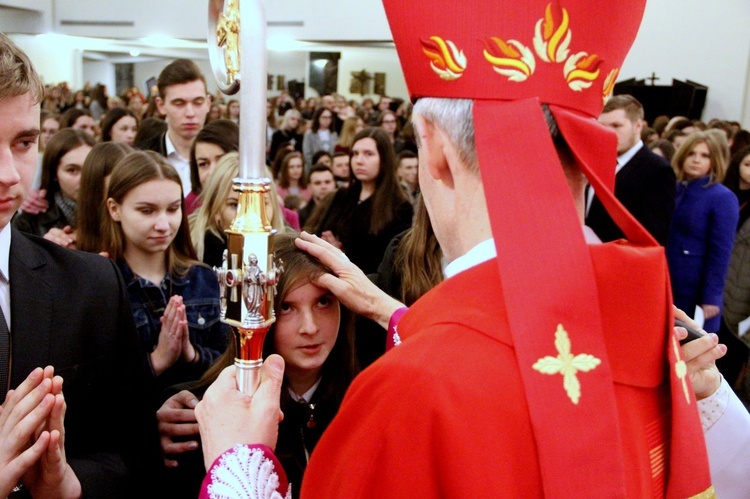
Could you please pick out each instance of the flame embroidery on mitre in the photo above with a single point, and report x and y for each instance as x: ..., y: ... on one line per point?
x: 581, y: 70
x: 511, y: 58
x: 552, y: 35
x: 609, y: 84
x: 445, y: 59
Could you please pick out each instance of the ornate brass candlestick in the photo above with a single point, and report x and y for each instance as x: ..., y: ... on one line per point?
x: 249, y: 273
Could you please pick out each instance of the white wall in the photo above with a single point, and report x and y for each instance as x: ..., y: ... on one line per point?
x: 100, y: 72
x: 55, y: 60
x: 707, y: 42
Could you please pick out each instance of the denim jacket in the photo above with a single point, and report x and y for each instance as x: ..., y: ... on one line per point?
x: 199, y: 290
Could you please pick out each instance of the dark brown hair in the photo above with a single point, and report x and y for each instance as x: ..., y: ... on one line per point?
x: 90, y: 206
x: 178, y: 72
x: 301, y: 268
x: 58, y: 146
x: 388, y: 194
x: 111, y: 117
x: 223, y: 133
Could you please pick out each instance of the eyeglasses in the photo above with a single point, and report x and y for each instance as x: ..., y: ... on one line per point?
x: 389, y: 121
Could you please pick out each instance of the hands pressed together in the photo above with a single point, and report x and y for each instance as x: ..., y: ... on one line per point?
x: 174, y: 338
x: 32, y: 438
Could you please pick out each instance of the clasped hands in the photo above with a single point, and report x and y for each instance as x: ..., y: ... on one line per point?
x: 174, y: 338
x: 32, y: 438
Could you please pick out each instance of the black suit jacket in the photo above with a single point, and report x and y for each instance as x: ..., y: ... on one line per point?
x: 70, y: 309
x: 157, y: 143
x: 646, y: 187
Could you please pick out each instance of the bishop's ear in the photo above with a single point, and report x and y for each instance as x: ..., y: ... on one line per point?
x: 432, y: 148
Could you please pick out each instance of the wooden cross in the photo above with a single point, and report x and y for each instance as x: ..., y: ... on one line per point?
x: 653, y: 78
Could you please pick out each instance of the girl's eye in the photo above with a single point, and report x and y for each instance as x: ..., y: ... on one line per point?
x: 325, y: 301
x: 285, y: 307
x: 203, y: 165
x: 146, y: 211
x: 173, y: 209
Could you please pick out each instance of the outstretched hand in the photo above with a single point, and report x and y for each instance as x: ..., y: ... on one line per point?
x: 348, y: 283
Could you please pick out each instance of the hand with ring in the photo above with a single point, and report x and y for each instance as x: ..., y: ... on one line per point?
x: 169, y: 347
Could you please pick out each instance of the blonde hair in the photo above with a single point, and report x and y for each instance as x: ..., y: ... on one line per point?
x: 718, y: 160
x: 214, y: 195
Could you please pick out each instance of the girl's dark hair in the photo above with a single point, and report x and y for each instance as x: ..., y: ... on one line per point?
x: 301, y: 268
x: 284, y: 171
x: 58, y: 146
x: 69, y: 117
x: 316, y: 119
x: 732, y: 178
x: 111, y: 117
x: 149, y: 128
x: 388, y: 194
x: 740, y: 140
x: 223, y: 133
x: 666, y: 147
x: 90, y: 206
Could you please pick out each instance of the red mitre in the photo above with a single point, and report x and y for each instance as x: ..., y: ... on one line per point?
x: 511, y: 57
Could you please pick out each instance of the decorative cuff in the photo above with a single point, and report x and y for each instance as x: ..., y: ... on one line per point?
x: 392, y: 338
x: 246, y: 472
x: 713, y: 407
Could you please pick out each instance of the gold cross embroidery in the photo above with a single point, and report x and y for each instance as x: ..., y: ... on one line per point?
x: 680, y: 369
x: 567, y: 364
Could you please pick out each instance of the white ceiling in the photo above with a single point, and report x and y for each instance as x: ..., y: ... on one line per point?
x: 178, y: 28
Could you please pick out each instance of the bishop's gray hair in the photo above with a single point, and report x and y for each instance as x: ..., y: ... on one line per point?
x: 455, y: 118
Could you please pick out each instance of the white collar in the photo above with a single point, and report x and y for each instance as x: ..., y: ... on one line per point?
x: 486, y: 250
x: 478, y: 254
x: 623, y: 159
x: 5, y: 252
x: 308, y: 395
x: 170, y: 148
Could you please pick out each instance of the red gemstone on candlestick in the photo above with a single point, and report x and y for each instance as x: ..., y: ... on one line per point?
x: 230, y: 279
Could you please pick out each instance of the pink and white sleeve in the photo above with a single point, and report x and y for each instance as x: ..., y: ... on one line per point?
x: 246, y: 472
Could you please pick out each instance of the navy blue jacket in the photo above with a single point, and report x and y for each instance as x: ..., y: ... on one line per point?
x: 199, y: 290
x: 700, y: 243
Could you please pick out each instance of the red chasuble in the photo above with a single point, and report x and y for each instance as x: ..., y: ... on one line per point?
x: 445, y: 414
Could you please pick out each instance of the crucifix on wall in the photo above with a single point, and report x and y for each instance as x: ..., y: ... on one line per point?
x: 360, y: 83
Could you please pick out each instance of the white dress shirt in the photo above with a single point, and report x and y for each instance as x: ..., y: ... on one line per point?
x: 5, y: 272
x: 180, y: 164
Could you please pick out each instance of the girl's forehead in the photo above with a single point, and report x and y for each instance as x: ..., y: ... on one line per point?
x: 155, y: 189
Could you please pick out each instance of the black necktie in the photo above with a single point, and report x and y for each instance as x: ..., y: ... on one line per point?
x: 4, y: 356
